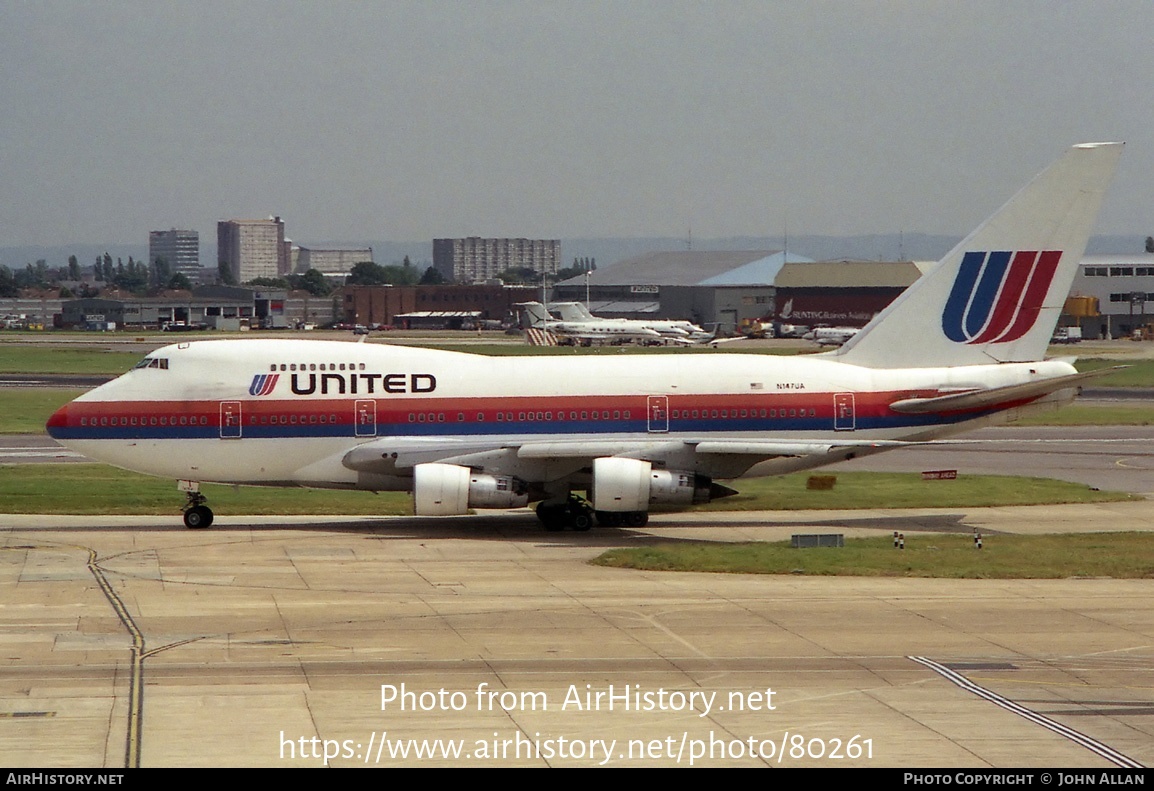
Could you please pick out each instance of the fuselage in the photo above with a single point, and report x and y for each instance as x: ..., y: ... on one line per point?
x: 284, y: 412
x: 602, y: 330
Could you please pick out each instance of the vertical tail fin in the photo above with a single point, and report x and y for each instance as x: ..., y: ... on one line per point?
x: 996, y: 297
x: 535, y: 311
x: 573, y: 311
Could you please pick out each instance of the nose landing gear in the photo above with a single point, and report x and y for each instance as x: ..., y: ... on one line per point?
x: 197, y: 515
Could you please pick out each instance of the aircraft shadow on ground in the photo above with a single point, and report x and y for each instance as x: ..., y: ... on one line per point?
x: 502, y: 527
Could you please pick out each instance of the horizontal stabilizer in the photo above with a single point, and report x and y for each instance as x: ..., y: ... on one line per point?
x: 994, y: 396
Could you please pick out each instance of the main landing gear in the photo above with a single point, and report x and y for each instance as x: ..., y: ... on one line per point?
x: 575, y: 513
x: 197, y: 515
x: 622, y: 518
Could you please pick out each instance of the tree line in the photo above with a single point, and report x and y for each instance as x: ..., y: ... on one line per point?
x: 141, y: 278
x: 134, y: 276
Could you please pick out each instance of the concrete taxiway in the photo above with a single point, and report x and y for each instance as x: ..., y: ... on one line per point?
x: 271, y: 641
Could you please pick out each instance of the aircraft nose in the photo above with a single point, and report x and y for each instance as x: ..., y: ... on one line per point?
x: 58, y: 422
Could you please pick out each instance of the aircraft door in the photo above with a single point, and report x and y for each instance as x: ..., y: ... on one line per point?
x: 230, y: 424
x: 658, y: 414
x: 843, y: 412
x: 365, y: 418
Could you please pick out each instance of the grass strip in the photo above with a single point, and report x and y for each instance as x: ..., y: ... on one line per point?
x: 101, y: 489
x: 49, y: 359
x: 1098, y: 414
x: 905, y: 490
x: 25, y: 410
x: 939, y: 555
x: 1139, y: 373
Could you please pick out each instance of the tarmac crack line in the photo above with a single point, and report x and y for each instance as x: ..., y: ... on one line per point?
x: 132, y: 741
x: 869, y: 694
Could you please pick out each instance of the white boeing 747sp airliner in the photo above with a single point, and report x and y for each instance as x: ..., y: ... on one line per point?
x: 961, y: 348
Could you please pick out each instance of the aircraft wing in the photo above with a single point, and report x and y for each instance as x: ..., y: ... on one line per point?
x: 994, y: 396
x: 773, y: 448
x: 718, y: 341
x: 397, y: 456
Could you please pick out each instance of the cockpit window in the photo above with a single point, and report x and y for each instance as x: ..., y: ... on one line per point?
x: 153, y: 362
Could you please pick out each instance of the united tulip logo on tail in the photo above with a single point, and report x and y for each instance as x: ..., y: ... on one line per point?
x: 263, y: 384
x: 996, y: 296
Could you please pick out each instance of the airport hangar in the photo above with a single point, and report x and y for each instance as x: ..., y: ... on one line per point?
x: 735, y: 289
x: 220, y: 307
x: 217, y: 307
x: 450, y: 306
x: 1112, y: 296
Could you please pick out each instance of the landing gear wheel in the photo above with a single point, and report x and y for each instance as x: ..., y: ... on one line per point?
x: 574, y: 513
x: 551, y: 516
x: 636, y: 518
x: 198, y: 517
x: 609, y: 518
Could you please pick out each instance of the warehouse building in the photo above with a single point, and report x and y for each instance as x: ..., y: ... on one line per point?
x: 1112, y: 296
x: 840, y: 293
x: 450, y: 306
x: 734, y: 290
x: 213, y: 307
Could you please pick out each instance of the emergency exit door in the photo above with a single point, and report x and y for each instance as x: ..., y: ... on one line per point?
x: 658, y: 414
x: 230, y: 415
x: 365, y: 418
x: 843, y: 412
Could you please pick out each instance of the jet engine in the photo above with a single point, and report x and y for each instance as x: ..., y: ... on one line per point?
x: 448, y: 489
x: 633, y: 485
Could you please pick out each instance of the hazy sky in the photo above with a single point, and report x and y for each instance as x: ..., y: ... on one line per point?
x: 411, y: 120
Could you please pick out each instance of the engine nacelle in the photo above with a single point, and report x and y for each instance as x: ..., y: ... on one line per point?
x: 677, y: 487
x: 633, y: 485
x: 449, y: 489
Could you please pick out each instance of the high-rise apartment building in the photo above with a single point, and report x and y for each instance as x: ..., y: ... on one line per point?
x: 253, y: 248
x: 180, y: 249
x: 474, y: 259
x: 329, y: 260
